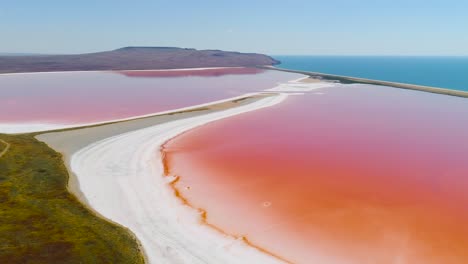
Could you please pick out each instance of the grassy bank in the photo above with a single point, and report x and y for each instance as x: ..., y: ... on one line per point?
x: 41, y: 222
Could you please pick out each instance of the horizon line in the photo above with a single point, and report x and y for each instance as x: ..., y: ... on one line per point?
x: 269, y: 54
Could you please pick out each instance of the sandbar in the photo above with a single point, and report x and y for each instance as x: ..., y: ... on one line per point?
x: 116, y: 170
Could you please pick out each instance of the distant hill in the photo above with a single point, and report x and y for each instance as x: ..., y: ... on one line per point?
x: 133, y: 58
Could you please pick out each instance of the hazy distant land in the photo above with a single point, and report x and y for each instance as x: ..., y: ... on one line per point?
x: 132, y: 58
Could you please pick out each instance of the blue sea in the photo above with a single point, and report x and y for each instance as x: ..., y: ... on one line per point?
x: 445, y: 72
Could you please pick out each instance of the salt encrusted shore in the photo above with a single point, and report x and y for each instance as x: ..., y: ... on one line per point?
x: 116, y: 169
x: 121, y: 177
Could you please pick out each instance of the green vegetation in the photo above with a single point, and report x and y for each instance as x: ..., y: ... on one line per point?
x: 41, y: 222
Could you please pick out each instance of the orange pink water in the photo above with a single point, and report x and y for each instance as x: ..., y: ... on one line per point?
x: 359, y: 174
x: 81, y: 97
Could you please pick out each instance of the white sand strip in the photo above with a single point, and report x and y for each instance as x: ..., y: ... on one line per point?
x: 122, y: 178
x: 301, y: 87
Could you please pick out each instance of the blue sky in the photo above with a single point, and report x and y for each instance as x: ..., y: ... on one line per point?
x: 276, y: 27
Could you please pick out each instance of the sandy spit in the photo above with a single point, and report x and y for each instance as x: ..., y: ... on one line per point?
x: 118, y: 172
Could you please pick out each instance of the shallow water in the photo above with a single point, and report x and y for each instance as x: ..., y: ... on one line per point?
x: 83, y: 97
x: 349, y: 174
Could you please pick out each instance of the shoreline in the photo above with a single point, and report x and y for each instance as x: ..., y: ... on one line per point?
x: 203, y: 212
x: 350, y: 80
x: 203, y: 119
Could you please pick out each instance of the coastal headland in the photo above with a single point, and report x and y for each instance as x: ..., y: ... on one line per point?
x: 133, y: 58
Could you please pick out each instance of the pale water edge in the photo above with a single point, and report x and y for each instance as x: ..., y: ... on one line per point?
x: 443, y: 72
